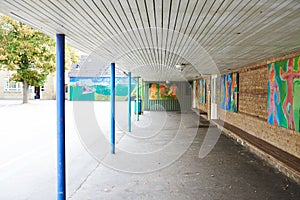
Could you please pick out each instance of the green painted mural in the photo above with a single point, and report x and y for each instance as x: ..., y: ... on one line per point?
x: 161, y: 91
x: 284, y: 93
x: 98, y: 88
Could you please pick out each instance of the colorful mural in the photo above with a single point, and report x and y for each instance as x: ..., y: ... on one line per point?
x: 98, y: 88
x: 202, y: 91
x: 229, y: 91
x: 161, y: 91
x: 284, y: 93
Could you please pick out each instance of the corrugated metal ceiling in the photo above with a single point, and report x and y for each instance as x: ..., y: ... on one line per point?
x: 151, y: 37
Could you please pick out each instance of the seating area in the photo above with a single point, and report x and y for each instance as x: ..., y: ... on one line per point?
x: 287, y: 163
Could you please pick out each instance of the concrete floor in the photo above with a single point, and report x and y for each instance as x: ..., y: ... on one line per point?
x: 228, y: 171
x: 159, y: 159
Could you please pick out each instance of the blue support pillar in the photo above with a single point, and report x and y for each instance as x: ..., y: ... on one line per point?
x: 137, y: 99
x: 112, y: 106
x: 60, y: 100
x: 129, y: 101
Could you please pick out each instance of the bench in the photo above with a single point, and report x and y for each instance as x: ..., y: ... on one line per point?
x: 200, y: 112
x: 289, y: 162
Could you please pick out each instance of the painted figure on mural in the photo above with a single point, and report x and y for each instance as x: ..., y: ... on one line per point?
x: 153, y: 92
x: 87, y: 89
x: 228, y: 92
x: 163, y: 90
x: 172, y: 91
x: 274, y: 96
x: 289, y: 77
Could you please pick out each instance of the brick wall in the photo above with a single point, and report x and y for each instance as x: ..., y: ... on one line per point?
x: 252, y: 108
x: 253, y: 92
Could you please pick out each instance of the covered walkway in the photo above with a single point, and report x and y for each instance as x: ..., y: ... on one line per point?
x: 236, y: 63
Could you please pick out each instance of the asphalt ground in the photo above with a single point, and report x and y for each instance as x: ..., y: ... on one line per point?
x: 167, y: 155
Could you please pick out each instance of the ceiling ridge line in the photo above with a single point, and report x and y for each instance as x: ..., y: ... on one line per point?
x: 148, y: 20
x: 198, y: 14
x: 131, y: 28
x: 167, y: 36
x: 183, y: 17
x: 209, y: 21
x: 216, y: 27
x: 140, y: 36
x: 230, y: 29
x: 156, y: 35
x: 269, y: 22
x: 130, y: 40
x: 175, y: 24
x: 143, y: 26
x: 120, y: 30
x: 183, y: 50
x: 30, y: 13
x: 111, y: 25
x: 80, y: 14
x: 226, y: 31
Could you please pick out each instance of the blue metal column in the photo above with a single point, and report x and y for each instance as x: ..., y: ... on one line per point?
x: 137, y: 99
x: 143, y: 96
x: 112, y: 108
x: 60, y: 100
x: 129, y: 101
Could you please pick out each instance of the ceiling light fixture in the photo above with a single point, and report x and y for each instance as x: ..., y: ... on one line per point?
x: 180, y: 67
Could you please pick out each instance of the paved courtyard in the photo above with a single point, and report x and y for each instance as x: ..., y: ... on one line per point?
x: 168, y: 155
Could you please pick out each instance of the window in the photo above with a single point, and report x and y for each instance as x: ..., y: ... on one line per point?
x: 12, y: 86
x: 30, y: 89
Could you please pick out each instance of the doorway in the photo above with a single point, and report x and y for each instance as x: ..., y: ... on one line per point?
x: 214, y: 106
x: 37, y: 92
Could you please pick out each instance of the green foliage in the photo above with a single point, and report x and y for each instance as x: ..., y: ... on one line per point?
x: 28, y: 52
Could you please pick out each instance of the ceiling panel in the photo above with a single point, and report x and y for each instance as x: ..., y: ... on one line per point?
x: 150, y: 37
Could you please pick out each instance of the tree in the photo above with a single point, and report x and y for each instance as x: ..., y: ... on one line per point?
x: 29, y: 53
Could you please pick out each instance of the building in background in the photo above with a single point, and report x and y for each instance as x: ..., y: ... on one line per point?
x: 14, y: 90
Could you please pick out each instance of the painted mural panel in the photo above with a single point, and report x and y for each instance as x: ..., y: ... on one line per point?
x: 229, y: 91
x: 284, y: 93
x: 161, y: 91
x: 98, y: 88
x: 202, y: 91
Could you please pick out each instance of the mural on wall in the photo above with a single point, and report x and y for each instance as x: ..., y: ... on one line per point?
x: 98, y: 88
x: 161, y: 91
x: 284, y: 93
x: 229, y: 91
x: 202, y: 91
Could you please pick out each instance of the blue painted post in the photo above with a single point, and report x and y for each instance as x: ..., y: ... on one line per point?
x: 137, y: 99
x: 60, y: 100
x: 112, y: 106
x: 129, y: 101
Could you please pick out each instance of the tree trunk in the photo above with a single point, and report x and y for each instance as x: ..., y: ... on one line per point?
x: 25, y: 92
